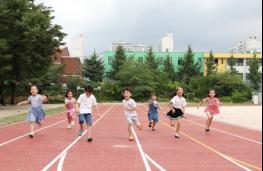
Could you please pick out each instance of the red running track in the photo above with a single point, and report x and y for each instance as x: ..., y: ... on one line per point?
x: 111, y: 150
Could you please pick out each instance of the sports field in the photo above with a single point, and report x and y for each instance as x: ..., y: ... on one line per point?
x: 55, y: 147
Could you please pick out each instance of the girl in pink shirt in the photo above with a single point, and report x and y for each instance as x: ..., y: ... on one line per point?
x: 212, y: 108
x: 70, y: 102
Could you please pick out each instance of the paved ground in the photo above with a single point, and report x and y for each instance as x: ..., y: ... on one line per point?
x: 57, y: 148
x: 15, y: 110
x: 249, y: 117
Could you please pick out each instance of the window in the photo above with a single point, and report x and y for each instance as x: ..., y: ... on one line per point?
x: 110, y: 59
x: 240, y: 62
x: 160, y: 61
x: 216, y: 61
x: 140, y: 59
x: 222, y: 61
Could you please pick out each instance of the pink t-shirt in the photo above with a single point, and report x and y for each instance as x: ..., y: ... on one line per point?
x: 213, y: 106
x: 70, y: 103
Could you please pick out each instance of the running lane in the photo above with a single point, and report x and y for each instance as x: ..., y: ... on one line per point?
x: 33, y: 154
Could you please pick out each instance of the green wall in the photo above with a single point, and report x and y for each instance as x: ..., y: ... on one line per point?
x: 161, y: 56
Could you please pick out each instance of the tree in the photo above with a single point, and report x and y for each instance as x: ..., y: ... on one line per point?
x: 131, y: 75
x: 188, y: 67
x: 169, y: 68
x: 150, y: 60
x: 93, y: 68
x: 232, y: 62
x: 118, y: 61
x: 29, y: 39
x: 254, y: 75
x: 210, y: 65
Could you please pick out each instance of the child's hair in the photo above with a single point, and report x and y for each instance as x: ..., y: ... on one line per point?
x: 127, y: 89
x: 68, y: 91
x: 216, y: 95
x: 34, y: 86
x: 88, y: 89
x: 175, y: 93
x: 153, y: 94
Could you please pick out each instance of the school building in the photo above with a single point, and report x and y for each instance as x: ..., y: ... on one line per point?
x: 242, y: 62
x: 160, y: 56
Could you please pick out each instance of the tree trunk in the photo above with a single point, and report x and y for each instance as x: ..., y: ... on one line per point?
x: 2, y: 96
x: 13, y: 89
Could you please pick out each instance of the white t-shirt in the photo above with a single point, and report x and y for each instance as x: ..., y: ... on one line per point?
x: 86, y: 103
x: 178, y: 102
x: 129, y: 104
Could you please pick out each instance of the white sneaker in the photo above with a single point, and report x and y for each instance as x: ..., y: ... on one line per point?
x: 69, y: 126
x: 72, y: 123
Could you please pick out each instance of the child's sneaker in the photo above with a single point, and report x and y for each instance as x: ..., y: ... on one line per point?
x: 89, y: 139
x: 177, y: 136
x: 131, y: 139
x: 150, y: 124
x: 72, y: 123
x: 69, y: 126
x: 31, y: 135
x: 80, y: 133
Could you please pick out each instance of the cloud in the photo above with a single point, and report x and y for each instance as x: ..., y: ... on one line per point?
x: 205, y: 24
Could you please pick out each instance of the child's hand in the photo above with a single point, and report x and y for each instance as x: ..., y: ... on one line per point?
x: 19, y: 104
x: 173, y: 111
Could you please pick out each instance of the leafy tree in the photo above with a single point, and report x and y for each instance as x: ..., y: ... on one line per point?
x: 151, y: 61
x: 188, y: 67
x: 73, y: 82
x: 93, y: 68
x: 232, y: 62
x: 254, y: 75
x: 131, y: 75
x: 28, y: 38
x: 210, y: 65
x: 118, y: 61
x: 169, y: 68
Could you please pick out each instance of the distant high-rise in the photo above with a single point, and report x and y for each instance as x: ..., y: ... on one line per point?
x: 252, y: 45
x: 77, y: 47
x: 130, y: 47
x: 167, y: 43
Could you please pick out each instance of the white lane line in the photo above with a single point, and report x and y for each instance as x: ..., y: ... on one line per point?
x: 225, y: 132
x: 12, y: 140
x: 146, y: 164
x: 61, y: 161
x: 71, y: 145
x: 154, y: 163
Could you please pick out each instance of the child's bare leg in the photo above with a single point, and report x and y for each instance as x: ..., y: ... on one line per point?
x: 32, y: 126
x: 40, y: 123
x: 154, y: 123
x: 89, y: 131
x: 172, y: 123
x: 178, y: 126
x: 130, y: 131
x: 138, y: 125
x: 69, y: 118
x: 210, y: 121
x: 81, y: 127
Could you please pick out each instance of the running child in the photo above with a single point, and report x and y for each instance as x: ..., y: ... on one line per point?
x: 86, y: 102
x: 70, y: 102
x: 129, y: 106
x: 212, y: 108
x: 36, y: 113
x: 177, y: 112
x: 152, y: 109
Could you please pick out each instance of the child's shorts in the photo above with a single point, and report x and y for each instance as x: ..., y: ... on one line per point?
x: 85, y: 117
x: 132, y: 119
x: 35, y: 115
x: 153, y: 117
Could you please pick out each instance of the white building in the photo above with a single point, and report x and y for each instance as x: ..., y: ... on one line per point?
x: 167, y: 43
x: 130, y: 47
x: 77, y: 47
x: 253, y: 44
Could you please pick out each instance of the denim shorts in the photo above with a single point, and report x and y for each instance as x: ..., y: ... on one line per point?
x: 85, y: 117
x: 36, y: 115
x: 153, y: 117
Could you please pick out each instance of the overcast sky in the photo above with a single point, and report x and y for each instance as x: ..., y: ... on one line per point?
x: 205, y: 24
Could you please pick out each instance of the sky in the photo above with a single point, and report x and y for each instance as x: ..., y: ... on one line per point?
x: 204, y: 24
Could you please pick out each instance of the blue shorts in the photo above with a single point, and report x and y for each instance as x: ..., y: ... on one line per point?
x: 36, y: 115
x: 153, y: 117
x: 85, y: 117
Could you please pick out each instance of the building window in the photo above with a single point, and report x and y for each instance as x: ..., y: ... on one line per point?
x: 110, y: 59
x: 216, y: 61
x: 160, y: 61
x: 240, y: 62
x: 140, y: 59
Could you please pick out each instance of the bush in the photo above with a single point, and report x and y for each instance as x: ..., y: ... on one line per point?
x: 73, y: 82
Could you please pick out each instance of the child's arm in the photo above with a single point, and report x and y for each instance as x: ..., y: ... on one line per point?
x: 97, y: 110
x: 77, y: 108
x: 183, y: 108
x: 160, y: 109
x: 171, y: 105
x: 23, y: 103
x: 202, y: 102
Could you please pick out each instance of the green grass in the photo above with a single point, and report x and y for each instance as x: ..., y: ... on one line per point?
x: 22, y: 116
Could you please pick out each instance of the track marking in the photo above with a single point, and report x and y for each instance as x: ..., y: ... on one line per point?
x: 146, y: 164
x: 225, y: 132
x: 64, y: 152
x: 12, y: 140
x: 154, y: 163
x: 231, y: 159
x: 60, y: 163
